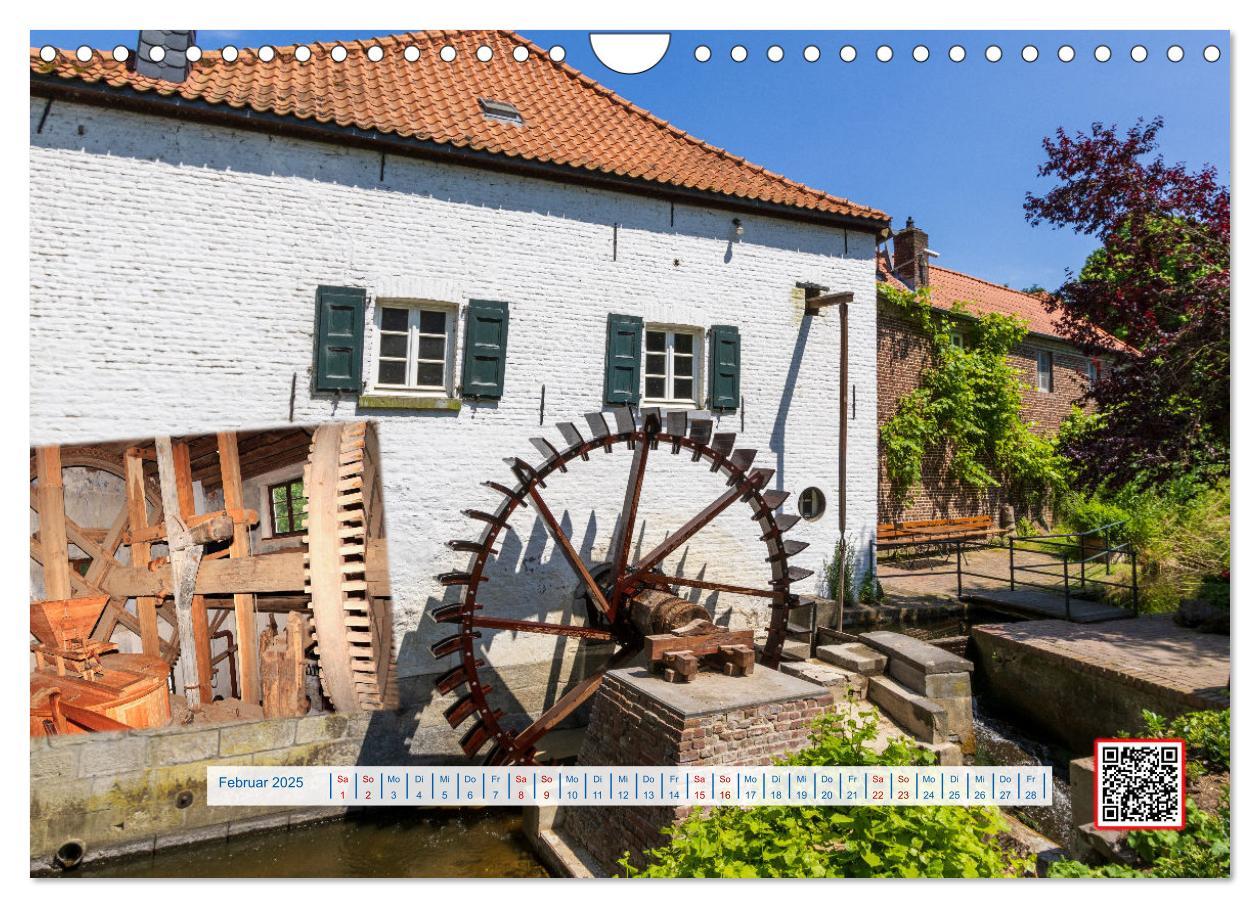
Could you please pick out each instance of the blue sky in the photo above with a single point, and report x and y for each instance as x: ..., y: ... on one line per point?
x: 955, y: 145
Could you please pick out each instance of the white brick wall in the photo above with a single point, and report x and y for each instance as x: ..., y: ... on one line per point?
x: 173, y: 276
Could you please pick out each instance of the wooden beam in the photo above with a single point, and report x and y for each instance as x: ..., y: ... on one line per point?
x: 52, y: 523
x: 246, y: 635
x: 185, y: 558
x: 284, y: 573
x: 183, y: 480
x: 138, y: 515
x: 201, y: 636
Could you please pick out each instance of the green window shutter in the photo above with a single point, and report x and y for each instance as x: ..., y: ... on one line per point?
x: 339, y: 338
x: 485, y: 349
x: 622, y: 356
x: 723, y: 367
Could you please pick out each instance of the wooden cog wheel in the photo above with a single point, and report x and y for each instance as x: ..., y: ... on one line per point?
x: 614, y: 592
x: 350, y: 609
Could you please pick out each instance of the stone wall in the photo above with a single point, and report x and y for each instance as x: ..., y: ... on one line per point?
x: 132, y: 792
x: 640, y: 720
x: 903, y: 355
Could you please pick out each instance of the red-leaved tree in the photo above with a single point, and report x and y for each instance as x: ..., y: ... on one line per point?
x: 1160, y: 283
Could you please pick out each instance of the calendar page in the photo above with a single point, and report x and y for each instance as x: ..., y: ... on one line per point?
x: 637, y: 443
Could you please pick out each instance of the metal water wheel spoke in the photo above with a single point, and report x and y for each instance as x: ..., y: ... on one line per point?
x: 571, y: 555
x: 542, y: 627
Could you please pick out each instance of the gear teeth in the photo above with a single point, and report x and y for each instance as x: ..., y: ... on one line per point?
x: 624, y: 418
x: 781, y: 524
x: 756, y: 480
x: 790, y: 547
x: 572, y: 437
x: 448, y: 645
x: 462, y: 708
x: 449, y: 613
x: 723, y: 442
x: 701, y: 433
x: 599, y: 429
x: 548, y: 451
x: 676, y: 426
x: 464, y: 545
x: 792, y: 575
x: 476, y: 737
x: 525, y: 474
x: 514, y: 494
x: 496, y: 520
x: 456, y: 578
x: 774, y: 498
x: 456, y: 677
x: 498, y: 755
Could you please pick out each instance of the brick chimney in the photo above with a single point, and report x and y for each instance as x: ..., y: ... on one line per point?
x: 910, y: 256
x: 173, y: 65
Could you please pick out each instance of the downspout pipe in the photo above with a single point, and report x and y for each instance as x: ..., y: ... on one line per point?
x: 842, y: 503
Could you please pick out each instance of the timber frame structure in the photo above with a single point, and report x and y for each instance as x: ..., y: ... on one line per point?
x: 186, y: 572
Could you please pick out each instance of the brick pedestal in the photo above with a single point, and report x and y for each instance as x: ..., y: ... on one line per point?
x: 638, y: 719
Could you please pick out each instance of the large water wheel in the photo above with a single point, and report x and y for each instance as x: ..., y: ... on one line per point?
x: 611, y: 590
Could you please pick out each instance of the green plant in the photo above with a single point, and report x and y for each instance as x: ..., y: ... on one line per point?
x: 967, y: 406
x: 815, y: 841
x: 1206, y: 734
x: 871, y: 591
x: 1201, y: 849
x: 840, y: 556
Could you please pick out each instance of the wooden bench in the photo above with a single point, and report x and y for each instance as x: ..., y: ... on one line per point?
x: 916, y: 532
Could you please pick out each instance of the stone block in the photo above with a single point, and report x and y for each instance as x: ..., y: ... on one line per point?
x: 918, y: 654
x: 47, y: 763
x: 184, y: 747
x: 947, y: 754
x: 253, y: 737
x: 959, y: 721
x: 946, y: 684
x: 842, y: 683
x: 918, y: 715
x: 1081, y: 781
x: 327, y: 727
x: 111, y: 757
x: 854, y: 657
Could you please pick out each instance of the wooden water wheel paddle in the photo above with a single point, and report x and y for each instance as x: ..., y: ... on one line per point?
x: 614, y: 591
x: 345, y: 522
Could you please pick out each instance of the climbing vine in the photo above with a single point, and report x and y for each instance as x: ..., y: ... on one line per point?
x: 967, y: 406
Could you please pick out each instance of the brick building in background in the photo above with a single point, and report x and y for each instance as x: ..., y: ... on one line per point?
x: 1054, y: 372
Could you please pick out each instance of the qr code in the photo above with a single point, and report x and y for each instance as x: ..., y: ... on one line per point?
x: 1139, y: 784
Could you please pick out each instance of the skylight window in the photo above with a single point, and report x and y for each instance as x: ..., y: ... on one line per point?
x: 502, y: 111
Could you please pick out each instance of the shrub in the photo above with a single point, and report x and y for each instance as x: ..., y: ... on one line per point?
x: 816, y: 841
x: 1206, y: 734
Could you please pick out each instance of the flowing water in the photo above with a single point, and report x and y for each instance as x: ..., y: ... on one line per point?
x: 377, y: 843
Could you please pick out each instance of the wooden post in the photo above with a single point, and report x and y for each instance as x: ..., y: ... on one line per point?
x: 283, y: 669
x: 246, y: 634
x: 185, y: 559
x: 52, y: 523
x: 138, y: 518
x: 201, y: 632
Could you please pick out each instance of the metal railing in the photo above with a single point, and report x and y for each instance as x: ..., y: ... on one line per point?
x: 1069, y: 556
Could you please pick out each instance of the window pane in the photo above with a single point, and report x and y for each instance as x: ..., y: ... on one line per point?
x: 282, y: 524
x: 393, y: 319
x: 682, y: 343
x: 656, y: 387
x: 394, y: 345
x: 656, y: 364
x: 432, y: 348
x: 432, y: 322
x: 682, y: 388
x: 429, y: 374
x: 392, y: 372
x: 277, y: 494
x: 682, y: 365
x: 656, y: 340
x: 299, y: 521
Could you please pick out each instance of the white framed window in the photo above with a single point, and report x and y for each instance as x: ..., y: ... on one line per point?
x: 1091, y: 372
x: 671, y: 365
x: 1045, y: 371
x: 414, y: 347
x: 956, y: 340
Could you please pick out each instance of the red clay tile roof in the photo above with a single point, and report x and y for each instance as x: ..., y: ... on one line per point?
x: 569, y: 119
x: 980, y: 296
